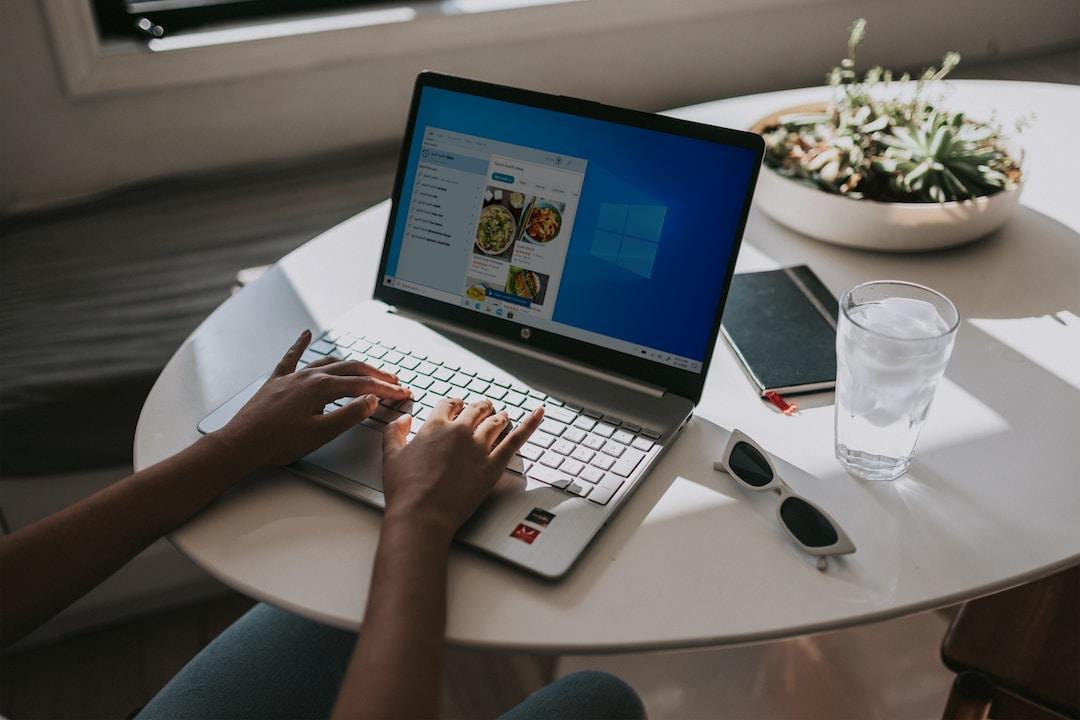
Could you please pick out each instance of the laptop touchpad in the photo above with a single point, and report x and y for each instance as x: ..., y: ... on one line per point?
x: 355, y: 455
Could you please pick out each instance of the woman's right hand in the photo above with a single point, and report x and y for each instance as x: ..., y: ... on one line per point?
x: 440, y: 478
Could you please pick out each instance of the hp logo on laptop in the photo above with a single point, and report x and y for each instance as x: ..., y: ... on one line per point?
x: 526, y: 333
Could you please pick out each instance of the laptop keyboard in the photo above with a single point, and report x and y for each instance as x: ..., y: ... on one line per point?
x: 577, y: 450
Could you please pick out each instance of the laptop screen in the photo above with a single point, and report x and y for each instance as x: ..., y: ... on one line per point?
x: 610, y: 234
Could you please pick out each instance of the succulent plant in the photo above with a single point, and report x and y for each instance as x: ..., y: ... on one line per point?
x: 884, y: 139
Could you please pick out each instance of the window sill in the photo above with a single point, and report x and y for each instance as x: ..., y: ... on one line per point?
x: 91, y: 68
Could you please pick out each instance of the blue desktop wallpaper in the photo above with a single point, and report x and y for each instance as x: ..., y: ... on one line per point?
x: 655, y: 224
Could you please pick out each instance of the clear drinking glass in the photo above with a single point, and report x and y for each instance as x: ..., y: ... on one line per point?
x: 893, y: 341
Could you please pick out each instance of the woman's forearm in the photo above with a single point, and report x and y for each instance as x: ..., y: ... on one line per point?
x: 47, y: 565
x: 432, y: 485
x: 396, y: 670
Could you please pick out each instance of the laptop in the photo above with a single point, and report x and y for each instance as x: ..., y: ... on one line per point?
x: 544, y: 250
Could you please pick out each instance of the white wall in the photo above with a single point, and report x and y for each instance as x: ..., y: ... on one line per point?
x: 55, y: 148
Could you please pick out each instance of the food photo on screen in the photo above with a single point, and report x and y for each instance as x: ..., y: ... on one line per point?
x: 499, y: 220
x: 476, y: 291
x: 527, y: 284
x: 543, y: 221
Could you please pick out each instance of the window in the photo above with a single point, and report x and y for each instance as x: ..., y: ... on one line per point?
x: 629, y: 235
x: 158, y: 18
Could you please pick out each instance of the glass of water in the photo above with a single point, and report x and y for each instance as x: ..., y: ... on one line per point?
x: 893, y: 341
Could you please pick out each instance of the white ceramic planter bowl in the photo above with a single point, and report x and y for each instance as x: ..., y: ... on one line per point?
x: 904, y: 227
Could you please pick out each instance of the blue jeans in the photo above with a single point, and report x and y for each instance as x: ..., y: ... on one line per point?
x: 273, y: 664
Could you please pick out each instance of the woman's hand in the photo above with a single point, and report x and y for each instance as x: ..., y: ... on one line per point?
x: 284, y: 420
x: 431, y: 485
x: 439, y: 479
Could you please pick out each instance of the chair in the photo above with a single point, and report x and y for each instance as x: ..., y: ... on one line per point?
x: 1017, y: 653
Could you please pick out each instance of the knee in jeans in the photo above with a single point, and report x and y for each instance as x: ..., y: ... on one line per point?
x: 621, y: 698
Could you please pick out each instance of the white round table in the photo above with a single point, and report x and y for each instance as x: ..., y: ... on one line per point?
x: 992, y: 500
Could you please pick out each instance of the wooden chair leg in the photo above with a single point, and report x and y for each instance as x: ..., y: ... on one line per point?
x: 970, y: 698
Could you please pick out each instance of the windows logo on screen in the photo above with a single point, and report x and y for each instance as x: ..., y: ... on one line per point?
x: 629, y: 235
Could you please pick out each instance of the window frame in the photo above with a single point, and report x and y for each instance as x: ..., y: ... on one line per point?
x: 93, y: 67
x: 114, y: 21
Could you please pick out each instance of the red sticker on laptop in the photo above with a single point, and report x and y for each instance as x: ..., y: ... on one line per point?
x: 525, y: 534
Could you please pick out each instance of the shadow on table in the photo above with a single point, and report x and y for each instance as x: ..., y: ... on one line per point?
x: 1031, y: 447
x: 1001, y: 490
x: 236, y: 345
x: 1012, y: 281
x: 712, y: 512
x: 1037, y: 408
x: 1015, y: 426
x: 1032, y: 250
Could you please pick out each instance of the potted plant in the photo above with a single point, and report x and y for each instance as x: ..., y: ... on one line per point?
x: 884, y: 165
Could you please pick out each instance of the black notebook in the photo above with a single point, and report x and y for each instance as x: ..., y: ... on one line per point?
x: 782, y: 326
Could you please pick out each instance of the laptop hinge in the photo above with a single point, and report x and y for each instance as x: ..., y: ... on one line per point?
x: 550, y: 358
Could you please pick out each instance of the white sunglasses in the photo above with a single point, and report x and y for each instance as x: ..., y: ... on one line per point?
x: 808, y: 525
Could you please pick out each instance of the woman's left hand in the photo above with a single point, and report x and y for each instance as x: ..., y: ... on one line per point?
x: 284, y: 420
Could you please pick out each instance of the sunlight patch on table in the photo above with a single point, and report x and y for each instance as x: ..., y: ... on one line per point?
x: 956, y: 417
x: 686, y: 497
x: 751, y: 259
x: 1050, y: 341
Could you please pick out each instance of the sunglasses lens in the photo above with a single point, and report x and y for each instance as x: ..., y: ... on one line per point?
x: 749, y: 465
x: 807, y: 524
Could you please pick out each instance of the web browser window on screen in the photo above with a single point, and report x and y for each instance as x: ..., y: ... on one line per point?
x: 610, y: 234
x: 504, y: 212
